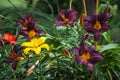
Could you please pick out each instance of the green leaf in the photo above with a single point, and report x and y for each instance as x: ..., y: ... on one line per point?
x: 117, y: 74
x: 107, y: 37
x: 50, y: 18
x: 108, y: 47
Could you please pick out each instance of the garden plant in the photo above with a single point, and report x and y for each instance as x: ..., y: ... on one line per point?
x: 61, y: 44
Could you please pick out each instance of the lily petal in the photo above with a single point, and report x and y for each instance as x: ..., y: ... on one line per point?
x: 14, y: 65
x: 75, y: 50
x: 26, y: 50
x: 41, y: 40
x: 27, y: 44
x: 90, y: 66
x: 96, y: 58
x: 37, y: 50
x: 97, y: 35
x: 45, y: 46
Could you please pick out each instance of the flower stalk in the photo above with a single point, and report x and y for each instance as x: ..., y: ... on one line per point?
x: 85, y: 10
x: 70, y: 4
x: 97, y: 4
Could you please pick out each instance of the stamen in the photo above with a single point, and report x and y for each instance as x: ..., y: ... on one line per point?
x: 97, y: 25
x: 86, y: 56
x: 31, y: 34
x: 20, y: 58
x: 25, y: 24
x: 64, y: 18
x: 13, y: 55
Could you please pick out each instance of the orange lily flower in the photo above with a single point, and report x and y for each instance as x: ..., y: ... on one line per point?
x: 10, y: 38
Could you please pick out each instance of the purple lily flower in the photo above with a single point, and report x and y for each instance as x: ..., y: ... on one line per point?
x: 87, y: 55
x: 29, y: 27
x: 15, y: 56
x: 66, y: 17
x: 31, y: 32
x: 97, y: 24
x: 26, y: 21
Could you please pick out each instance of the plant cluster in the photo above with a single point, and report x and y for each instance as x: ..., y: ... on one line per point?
x: 71, y: 49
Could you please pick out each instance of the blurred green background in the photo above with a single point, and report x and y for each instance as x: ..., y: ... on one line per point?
x: 11, y: 10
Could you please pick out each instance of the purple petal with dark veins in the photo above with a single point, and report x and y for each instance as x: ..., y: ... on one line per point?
x: 70, y: 23
x: 23, y: 32
x: 90, y: 66
x: 79, y: 60
x: 75, y: 50
x: 105, y: 27
x: 9, y: 60
x: 91, y: 49
x: 89, y: 27
x: 30, y: 17
x: 31, y: 26
x: 95, y: 58
x: 97, y: 35
x: 14, y: 65
x: 94, y: 18
x: 103, y: 17
x: 59, y: 23
x: 89, y: 19
x: 72, y: 14
x: 16, y: 48
x: 95, y: 55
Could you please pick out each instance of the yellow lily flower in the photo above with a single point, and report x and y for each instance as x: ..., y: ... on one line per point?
x: 35, y: 45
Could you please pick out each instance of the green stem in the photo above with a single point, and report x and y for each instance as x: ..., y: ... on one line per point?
x: 58, y: 7
x: 70, y: 64
x: 70, y: 4
x: 109, y: 74
x: 50, y: 6
x: 57, y: 34
x: 14, y: 76
x: 94, y: 73
x: 3, y: 45
x: 97, y: 4
x: 92, y: 76
x: 85, y: 10
x: 17, y: 31
x: 58, y: 64
x: 66, y: 33
x: 96, y: 44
